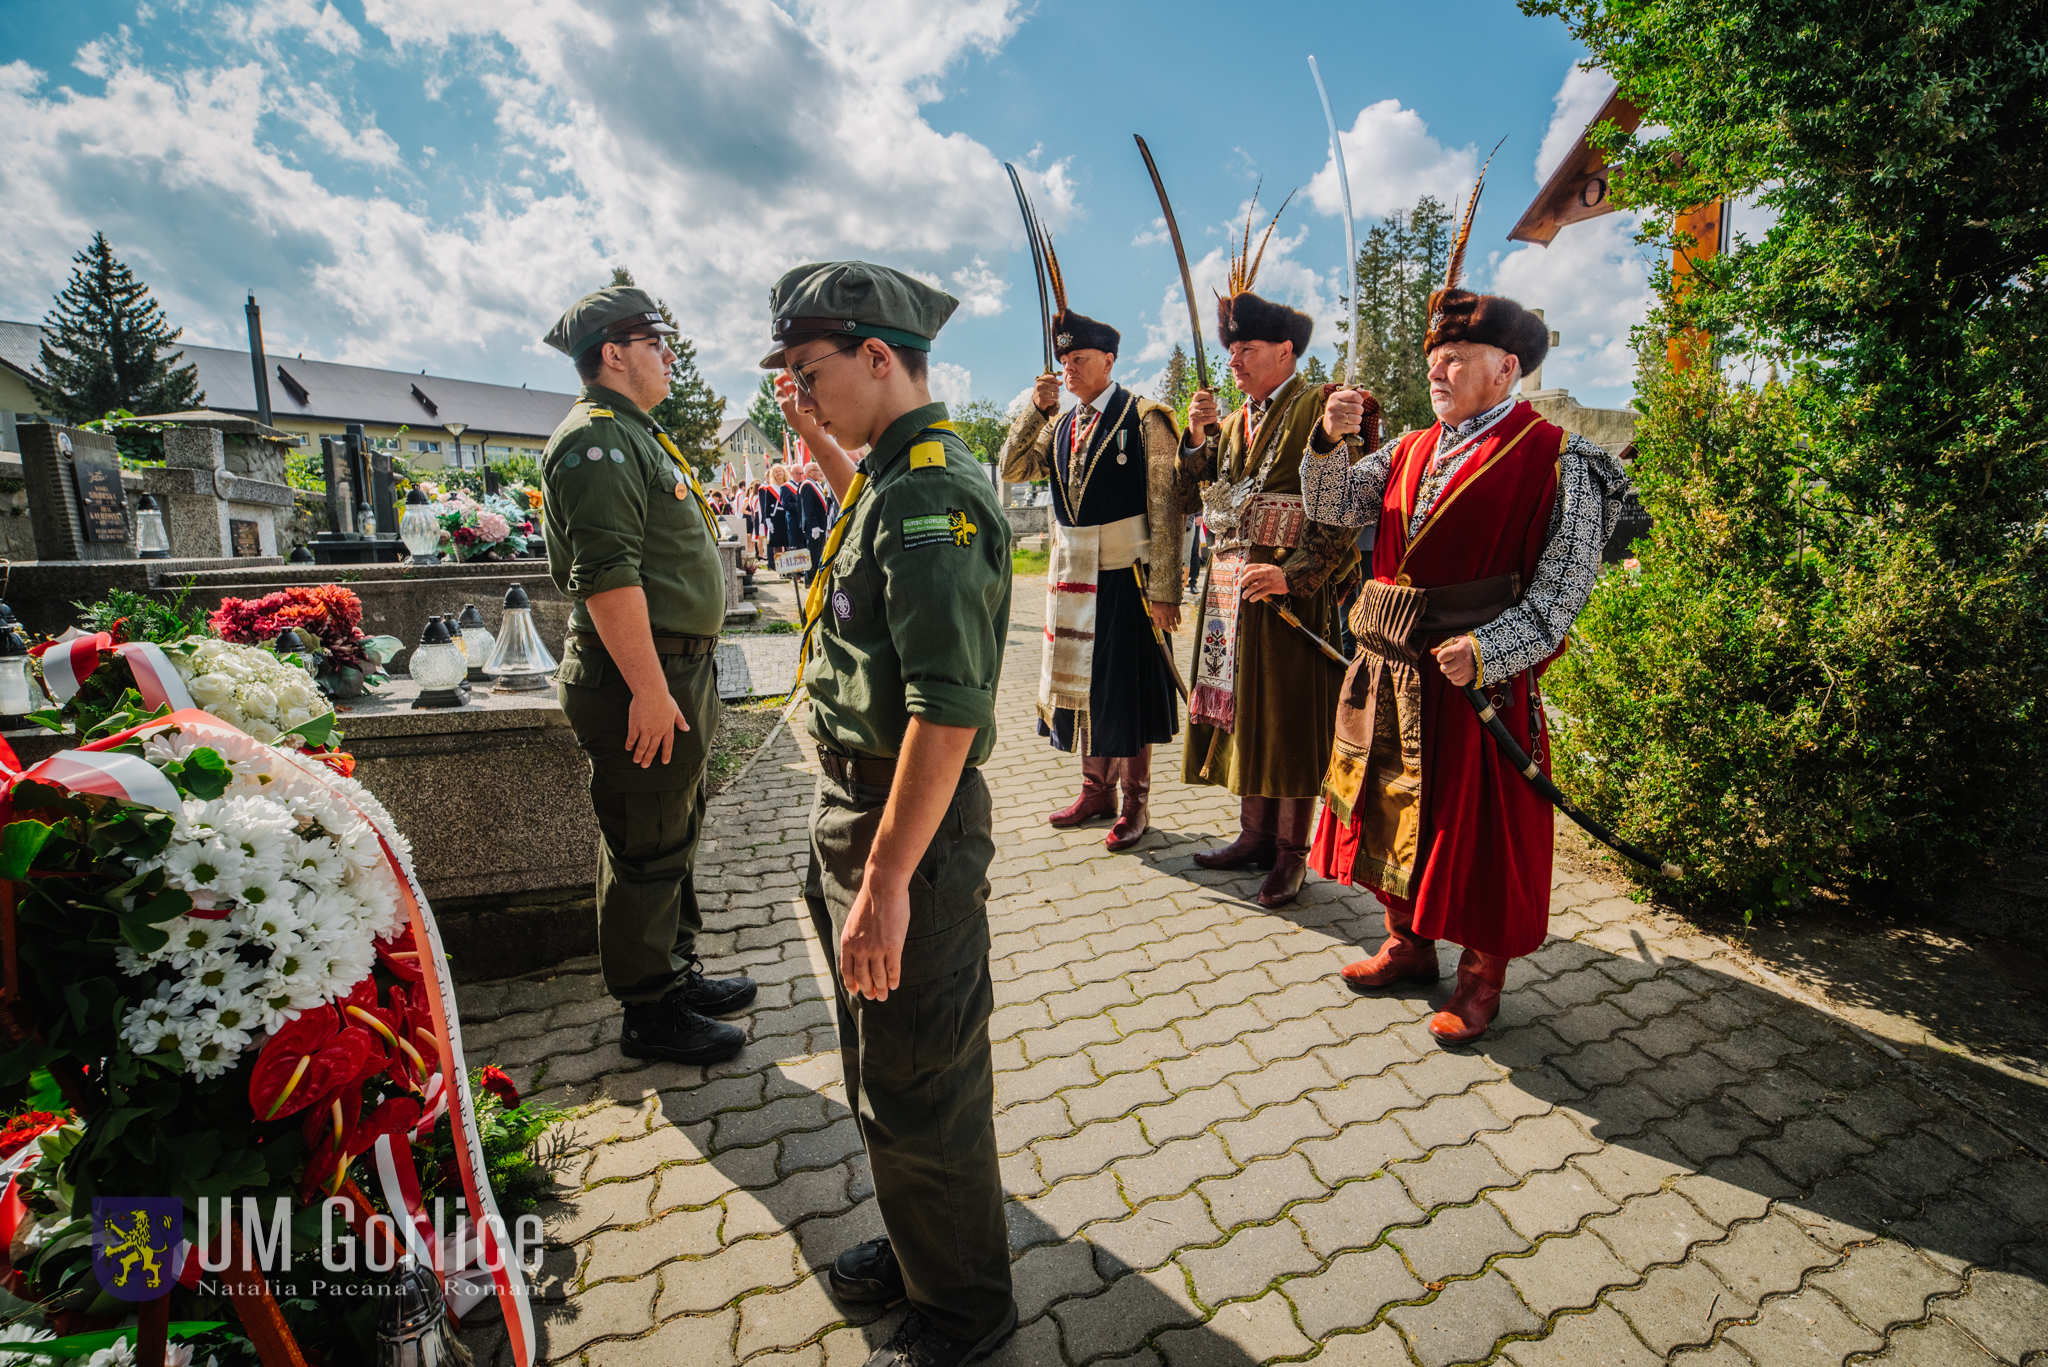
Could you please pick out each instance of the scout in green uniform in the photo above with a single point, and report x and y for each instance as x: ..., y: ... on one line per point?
x: 905, y: 627
x: 631, y: 539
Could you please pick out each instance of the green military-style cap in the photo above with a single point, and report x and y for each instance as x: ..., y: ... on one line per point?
x: 603, y: 313
x: 854, y: 299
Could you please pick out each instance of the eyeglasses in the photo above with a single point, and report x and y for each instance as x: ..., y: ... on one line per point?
x: 807, y: 377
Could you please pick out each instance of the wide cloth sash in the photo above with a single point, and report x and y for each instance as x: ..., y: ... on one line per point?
x: 1376, y: 764
x: 1080, y: 556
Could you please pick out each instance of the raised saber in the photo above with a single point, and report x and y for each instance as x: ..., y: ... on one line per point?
x: 1549, y: 791
x: 1187, y: 277
x: 1350, y: 275
x: 1037, y: 261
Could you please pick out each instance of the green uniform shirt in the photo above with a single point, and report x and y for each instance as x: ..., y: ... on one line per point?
x: 618, y: 512
x: 918, y: 605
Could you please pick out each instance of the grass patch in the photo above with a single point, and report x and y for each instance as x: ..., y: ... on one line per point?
x: 1030, y: 562
x: 741, y: 731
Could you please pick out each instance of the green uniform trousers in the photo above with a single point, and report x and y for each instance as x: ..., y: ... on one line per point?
x: 648, y: 820
x: 918, y: 1071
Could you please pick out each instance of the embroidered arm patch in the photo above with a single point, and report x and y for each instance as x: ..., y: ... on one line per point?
x: 938, y: 529
x: 927, y: 454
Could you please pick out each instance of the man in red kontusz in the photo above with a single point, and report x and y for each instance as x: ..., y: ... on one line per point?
x: 1491, y: 526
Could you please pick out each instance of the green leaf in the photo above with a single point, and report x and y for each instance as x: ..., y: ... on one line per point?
x: 146, y: 938
x: 20, y: 842
x: 317, y: 731
x: 205, y: 774
x: 382, y: 649
x: 170, y: 903
x: 43, y: 1092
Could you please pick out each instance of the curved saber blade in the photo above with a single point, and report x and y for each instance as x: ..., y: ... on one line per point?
x: 1350, y: 275
x: 1187, y: 279
x: 1037, y: 261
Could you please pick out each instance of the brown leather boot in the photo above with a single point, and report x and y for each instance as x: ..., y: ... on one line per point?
x: 1254, y: 844
x: 1405, y: 958
x: 1134, y: 777
x: 1476, y: 1002
x: 1098, y: 795
x: 1293, y: 825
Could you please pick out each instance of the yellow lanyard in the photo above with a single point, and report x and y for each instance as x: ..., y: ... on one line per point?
x: 690, y: 478
x: 814, y: 601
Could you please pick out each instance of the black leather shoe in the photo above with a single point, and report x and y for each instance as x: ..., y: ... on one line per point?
x: 669, y: 1030
x: 916, y: 1344
x: 712, y: 996
x: 867, y: 1274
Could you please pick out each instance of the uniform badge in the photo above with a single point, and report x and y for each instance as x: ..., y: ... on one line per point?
x: 842, y: 605
x: 618, y: 456
x: 938, y: 529
x: 571, y: 461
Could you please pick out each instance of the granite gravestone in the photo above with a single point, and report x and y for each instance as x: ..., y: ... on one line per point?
x: 202, y: 499
x: 74, y: 518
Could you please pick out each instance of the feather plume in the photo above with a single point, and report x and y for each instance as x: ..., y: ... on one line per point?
x: 1244, y: 264
x: 1456, y: 269
x: 1052, y: 270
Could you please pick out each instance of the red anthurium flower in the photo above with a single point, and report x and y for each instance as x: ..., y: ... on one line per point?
x: 306, y: 1062
x: 347, y: 1134
x: 494, y: 1080
x: 392, y: 1023
x: 401, y: 955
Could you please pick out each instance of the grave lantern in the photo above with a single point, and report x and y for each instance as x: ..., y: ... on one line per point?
x: 438, y: 668
x: 413, y: 1329
x: 477, y: 643
x: 17, y: 698
x: 151, y: 541
x: 521, y: 660
x: 420, y: 529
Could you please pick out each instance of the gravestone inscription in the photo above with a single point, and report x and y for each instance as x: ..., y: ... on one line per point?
x: 101, y: 507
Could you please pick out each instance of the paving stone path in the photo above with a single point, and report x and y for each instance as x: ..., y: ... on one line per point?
x: 1219, y: 1156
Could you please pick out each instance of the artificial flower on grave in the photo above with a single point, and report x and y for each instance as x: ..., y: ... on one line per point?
x: 328, y: 619
x: 203, y: 951
x: 493, y: 527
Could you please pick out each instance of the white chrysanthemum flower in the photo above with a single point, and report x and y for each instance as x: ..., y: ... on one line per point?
x: 206, y: 1054
x: 192, y: 939
x: 221, y: 977
x: 154, y: 1023
x: 227, y: 1026
x: 315, y: 863
x: 275, y: 923
x: 132, y: 961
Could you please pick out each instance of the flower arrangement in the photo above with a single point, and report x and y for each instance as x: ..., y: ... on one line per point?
x: 498, y: 524
x: 230, y: 994
x: 273, y: 698
x: 329, y: 616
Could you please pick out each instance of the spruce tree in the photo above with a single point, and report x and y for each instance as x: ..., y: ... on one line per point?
x: 1400, y: 263
x: 1177, y: 386
x: 106, y: 346
x: 692, y: 411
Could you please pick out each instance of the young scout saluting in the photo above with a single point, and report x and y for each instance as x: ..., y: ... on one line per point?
x: 907, y: 617
x: 630, y: 538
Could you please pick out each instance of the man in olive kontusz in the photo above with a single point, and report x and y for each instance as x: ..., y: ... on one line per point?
x: 632, y: 540
x: 906, y: 621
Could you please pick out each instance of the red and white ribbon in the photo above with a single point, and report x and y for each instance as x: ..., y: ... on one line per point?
x: 125, y: 778
x: 68, y: 664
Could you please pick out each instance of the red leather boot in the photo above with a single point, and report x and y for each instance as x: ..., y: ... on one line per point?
x: 1134, y: 777
x: 1293, y: 825
x: 1098, y: 795
x: 1476, y: 1002
x: 1405, y: 958
x: 1254, y: 843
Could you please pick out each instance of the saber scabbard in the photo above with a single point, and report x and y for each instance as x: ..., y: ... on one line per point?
x: 1287, y: 616
x: 1540, y: 781
x: 1172, y: 665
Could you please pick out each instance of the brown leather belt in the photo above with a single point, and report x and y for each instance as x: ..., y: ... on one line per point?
x: 845, y: 769
x: 663, y: 645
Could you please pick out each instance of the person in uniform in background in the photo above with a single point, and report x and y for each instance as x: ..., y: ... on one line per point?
x: 905, y: 629
x: 820, y: 508
x: 631, y: 538
x: 1105, y: 689
x: 779, y: 504
x: 807, y: 524
x: 1491, y: 525
x: 1264, y: 694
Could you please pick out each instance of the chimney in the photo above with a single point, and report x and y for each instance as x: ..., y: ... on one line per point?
x: 256, y: 360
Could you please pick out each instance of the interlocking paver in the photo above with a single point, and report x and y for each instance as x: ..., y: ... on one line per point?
x: 1650, y: 1157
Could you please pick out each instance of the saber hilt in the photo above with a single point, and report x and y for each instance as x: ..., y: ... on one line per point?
x: 1540, y: 781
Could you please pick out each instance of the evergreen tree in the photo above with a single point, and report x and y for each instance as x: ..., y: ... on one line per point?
x: 105, y: 345
x: 1312, y: 371
x: 1400, y: 263
x: 692, y: 411
x: 766, y: 412
x: 1178, y: 384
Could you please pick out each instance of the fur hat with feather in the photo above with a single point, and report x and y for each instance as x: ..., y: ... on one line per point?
x: 1244, y: 316
x: 1459, y: 315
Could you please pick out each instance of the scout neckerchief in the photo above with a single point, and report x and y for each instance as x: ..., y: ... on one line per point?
x: 686, y: 482
x: 1089, y: 451
x: 814, y: 600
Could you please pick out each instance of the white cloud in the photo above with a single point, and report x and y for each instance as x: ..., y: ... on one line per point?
x: 663, y: 136
x: 1571, y: 109
x: 1392, y: 161
x: 951, y: 384
x: 1282, y: 278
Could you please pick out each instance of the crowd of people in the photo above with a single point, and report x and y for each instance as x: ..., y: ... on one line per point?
x: 791, y: 510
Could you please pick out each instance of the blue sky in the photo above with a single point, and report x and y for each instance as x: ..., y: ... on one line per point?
x: 427, y: 183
